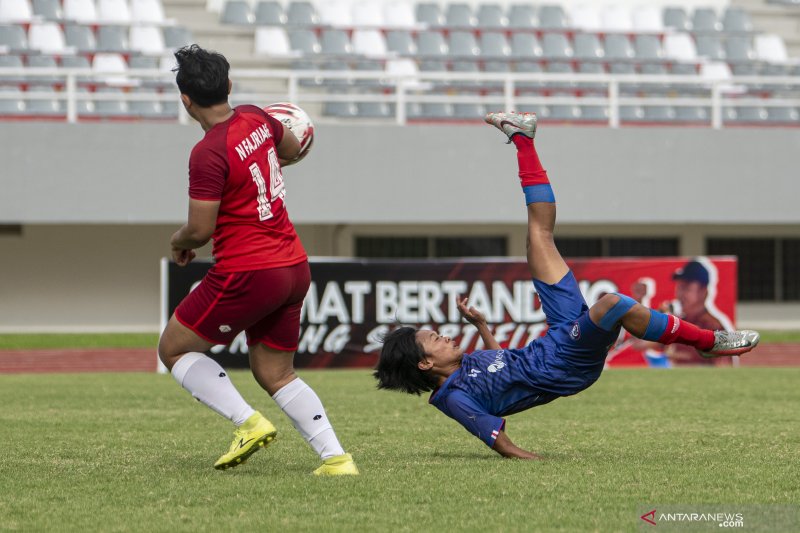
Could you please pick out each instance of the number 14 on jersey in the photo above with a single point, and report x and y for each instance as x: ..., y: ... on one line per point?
x: 276, y: 188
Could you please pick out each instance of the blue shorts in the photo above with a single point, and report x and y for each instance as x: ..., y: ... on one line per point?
x: 577, y: 341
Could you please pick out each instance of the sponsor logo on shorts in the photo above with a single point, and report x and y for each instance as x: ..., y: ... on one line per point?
x: 224, y: 328
x: 575, y: 332
x: 498, y: 364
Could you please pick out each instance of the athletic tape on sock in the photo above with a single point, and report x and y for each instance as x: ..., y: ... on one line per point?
x: 656, y: 327
x: 614, y: 315
x: 539, y: 193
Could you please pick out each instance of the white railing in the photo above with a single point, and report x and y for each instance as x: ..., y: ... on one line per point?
x: 499, y: 90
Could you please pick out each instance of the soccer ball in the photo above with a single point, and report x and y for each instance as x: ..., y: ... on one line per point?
x: 296, y: 120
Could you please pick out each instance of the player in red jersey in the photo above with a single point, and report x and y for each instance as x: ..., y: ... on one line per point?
x: 261, y: 273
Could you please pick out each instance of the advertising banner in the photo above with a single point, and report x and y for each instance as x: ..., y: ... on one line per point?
x: 352, y: 303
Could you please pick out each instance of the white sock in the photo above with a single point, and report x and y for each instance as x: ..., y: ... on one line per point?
x: 209, y: 384
x: 303, y: 407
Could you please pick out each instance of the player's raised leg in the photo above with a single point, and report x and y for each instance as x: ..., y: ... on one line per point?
x: 613, y: 310
x: 181, y: 351
x: 544, y: 260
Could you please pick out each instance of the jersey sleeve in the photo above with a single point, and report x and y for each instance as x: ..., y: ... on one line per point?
x: 276, y: 127
x: 208, y: 170
x: 466, y: 411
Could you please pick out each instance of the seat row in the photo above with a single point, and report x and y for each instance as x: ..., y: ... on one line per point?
x: 496, y: 45
x: 486, y: 16
x: 51, y: 38
x: 48, y: 102
x: 84, y: 11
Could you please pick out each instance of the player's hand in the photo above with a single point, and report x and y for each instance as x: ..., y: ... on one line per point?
x: 182, y: 257
x: 470, y: 314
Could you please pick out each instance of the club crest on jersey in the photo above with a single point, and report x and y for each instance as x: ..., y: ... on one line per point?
x: 575, y: 332
x: 498, y: 364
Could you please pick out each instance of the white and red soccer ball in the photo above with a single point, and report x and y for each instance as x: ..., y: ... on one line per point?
x: 298, y: 122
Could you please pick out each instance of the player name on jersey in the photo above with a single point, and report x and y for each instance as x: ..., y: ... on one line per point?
x: 251, y: 143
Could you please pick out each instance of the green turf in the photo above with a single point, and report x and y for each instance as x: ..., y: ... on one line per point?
x: 37, y: 341
x: 133, y: 452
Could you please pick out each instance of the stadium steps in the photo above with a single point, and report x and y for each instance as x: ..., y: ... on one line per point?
x: 771, y: 18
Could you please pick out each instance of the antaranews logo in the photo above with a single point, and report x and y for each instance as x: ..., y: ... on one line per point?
x: 683, y: 516
x: 650, y: 517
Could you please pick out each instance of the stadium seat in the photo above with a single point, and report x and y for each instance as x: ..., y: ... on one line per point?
x: 369, y: 43
x: 367, y: 14
x: 528, y: 67
x: 522, y: 16
x: 334, y: 13
x: 463, y: 44
x: 13, y: 37
x: 113, y: 39
x: 270, y: 13
x: 560, y: 67
x: 556, y: 46
x: 676, y: 18
x: 301, y: 14
x: 770, y: 47
x: 15, y: 11
x: 464, y: 111
x: 112, y: 66
x: 46, y: 37
x: 691, y: 114
x: 335, y: 42
x: 177, y: 36
x: 272, y: 41
x: 373, y: 110
x: 431, y: 44
x: 783, y: 115
x: 81, y: 38
x: 710, y: 47
x: 586, y: 18
x: 648, y: 47
x: 594, y: 113
x: 618, y: 47
x: 42, y: 62
x: 525, y: 46
x: 147, y: 40
x: 490, y: 16
x: 236, y: 12
x: 616, y: 18
x: 145, y: 108
x: 648, y: 19
x: 738, y: 49
x: 705, y: 19
x: 339, y: 109
x: 750, y: 114
x: 659, y: 113
x: 592, y: 67
x: 83, y: 11
x: 399, y: 15
x: 143, y: 62
x: 109, y: 108
x: 631, y: 113
x: 372, y: 66
x: 113, y: 12
x: 304, y: 41
x: 76, y: 62
x: 43, y: 106
x: 436, y: 110
x: 48, y: 9
x: 14, y: 105
x: 401, y: 42
x: 736, y: 19
x: 335, y: 65
x: 430, y: 14
x: 147, y: 11
x: 460, y: 15
x: 12, y: 61
x: 552, y: 17
x: 587, y: 46
x: 563, y: 112
x: 680, y: 47
x: 715, y: 71
x: 494, y: 45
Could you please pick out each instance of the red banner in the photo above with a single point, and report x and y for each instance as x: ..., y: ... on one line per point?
x: 351, y: 304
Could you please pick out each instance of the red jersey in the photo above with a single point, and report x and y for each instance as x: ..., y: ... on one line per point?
x: 237, y: 165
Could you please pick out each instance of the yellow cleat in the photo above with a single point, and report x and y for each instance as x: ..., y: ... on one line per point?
x: 254, y: 434
x: 339, y: 465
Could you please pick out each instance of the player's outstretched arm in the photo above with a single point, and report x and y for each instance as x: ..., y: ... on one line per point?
x: 508, y: 449
x: 476, y: 318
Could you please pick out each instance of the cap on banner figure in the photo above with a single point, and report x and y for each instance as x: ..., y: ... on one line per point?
x: 479, y: 388
x: 261, y: 275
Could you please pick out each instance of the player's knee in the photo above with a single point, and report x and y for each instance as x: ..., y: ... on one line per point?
x: 608, y: 311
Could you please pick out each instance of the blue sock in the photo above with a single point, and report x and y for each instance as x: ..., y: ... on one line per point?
x: 539, y: 193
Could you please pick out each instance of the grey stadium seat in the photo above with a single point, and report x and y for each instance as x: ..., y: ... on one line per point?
x: 459, y: 15
x: 270, y: 13
x: 43, y: 62
x: 13, y: 106
x: 525, y: 46
x: 705, y: 19
x: 592, y: 67
x: 339, y: 109
x: 143, y: 62
x: 491, y: 16
x: 463, y: 44
x: 437, y: 110
x: 750, y: 114
x: 691, y: 114
x: 177, y: 36
x: 431, y: 44
x: 110, y: 108
x: 112, y: 39
x: 647, y: 47
x: 738, y: 49
x: 660, y: 113
x: 594, y: 113
x: 335, y: 42
x: 301, y: 14
x: 494, y: 45
x: 82, y: 38
x: 522, y: 17
x: 556, y: 46
x: 368, y: 65
x: 44, y: 107
x: 401, y: 42
x: 736, y: 19
x: 236, y: 12
x: 618, y: 47
x: 430, y: 14
x: 469, y: 111
x: 564, y: 112
x: 9, y: 61
x: 13, y: 37
x: 587, y: 46
x: 77, y: 62
x: 710, y: 46
x: 552, y: 17
x: 304, y: 41
x: 631, y: 113
x: 676, y: 17
x: 151, y: 108
x: 48, y: 9
x: 559, y: 67
x: 783, y: 115
x: 374, y: 110
x: 528, y: 67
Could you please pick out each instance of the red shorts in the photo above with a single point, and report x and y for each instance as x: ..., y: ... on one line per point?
x: 265, y: 304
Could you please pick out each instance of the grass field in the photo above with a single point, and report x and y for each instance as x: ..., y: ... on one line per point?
x: 133, y: 452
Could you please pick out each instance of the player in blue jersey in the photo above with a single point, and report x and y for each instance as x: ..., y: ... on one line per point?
x: 478, y: 389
